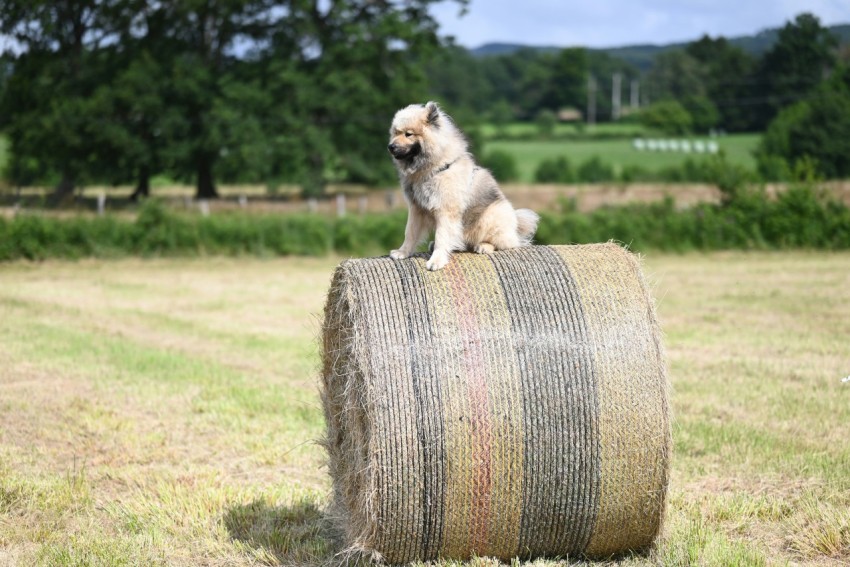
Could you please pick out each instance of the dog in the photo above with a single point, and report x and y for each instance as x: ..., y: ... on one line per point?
x: 446, y: 191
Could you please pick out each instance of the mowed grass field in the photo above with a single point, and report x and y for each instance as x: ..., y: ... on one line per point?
x: 164, y: 412
x: 618, y: 153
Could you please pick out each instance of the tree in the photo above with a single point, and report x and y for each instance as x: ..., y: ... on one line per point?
x: 668, y: 117
x: 457, y: 79
x: 676, y: 75
x: 136, y: 124
x: 704, y: 114
x: 546, y: 120
x: 817, y: 128
x: 347, y: 67
x: 501, y: 116
x: 47, y: 106
x: 801, y: 58
x: 567, y: 80
x: 118, y: 89
x: 727, y: 73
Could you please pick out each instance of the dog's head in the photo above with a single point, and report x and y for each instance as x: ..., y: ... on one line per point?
x: 413, y: 129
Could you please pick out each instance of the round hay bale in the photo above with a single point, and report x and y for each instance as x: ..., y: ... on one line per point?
x: 509, y: 405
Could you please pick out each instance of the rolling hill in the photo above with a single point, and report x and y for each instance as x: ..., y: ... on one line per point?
x: 642, y: 56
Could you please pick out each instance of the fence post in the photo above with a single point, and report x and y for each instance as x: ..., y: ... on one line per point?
x: 340, y: 205
x: 101, y: 203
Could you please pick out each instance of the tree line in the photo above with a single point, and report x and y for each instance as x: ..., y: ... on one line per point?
x: 798, y: 90
x: 205, y: 90
x: 709, y: 83
x: 301, y: 92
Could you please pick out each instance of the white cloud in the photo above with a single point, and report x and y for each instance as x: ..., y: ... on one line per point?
x: 609, y: 23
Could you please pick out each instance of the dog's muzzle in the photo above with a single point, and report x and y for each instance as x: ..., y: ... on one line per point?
x: 404, y: 152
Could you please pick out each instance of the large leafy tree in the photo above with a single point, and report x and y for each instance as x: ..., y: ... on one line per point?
x: 567, y: 83
x: 802, y: 56
x: 817, y: 128
x: 680, y: 81
x: 676, y: 75
x: 727, y: 75
x: 47, y: 106
x: 461, y: 81
x: 299, y: 90
x: 338, y: 71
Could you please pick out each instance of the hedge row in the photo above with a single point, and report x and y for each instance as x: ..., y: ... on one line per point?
x: 799, y: 218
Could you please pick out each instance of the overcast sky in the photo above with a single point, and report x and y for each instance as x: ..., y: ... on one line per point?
x: 612, y: 23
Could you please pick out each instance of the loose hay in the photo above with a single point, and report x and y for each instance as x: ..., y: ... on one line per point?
x: 512, y: 404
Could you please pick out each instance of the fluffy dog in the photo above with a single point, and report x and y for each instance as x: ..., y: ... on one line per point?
x: 448, y: 192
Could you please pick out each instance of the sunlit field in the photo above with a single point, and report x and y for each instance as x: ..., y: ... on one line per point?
x: 619, y: 153
x: 165, y: 412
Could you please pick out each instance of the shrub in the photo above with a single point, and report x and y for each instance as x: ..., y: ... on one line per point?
x: 594, y: 170
x: 554, y: 170
x: 799, y: 217
x: 636, y: 173
x: 546, y: 121
x: 668, y: 116
x: 502, y: 165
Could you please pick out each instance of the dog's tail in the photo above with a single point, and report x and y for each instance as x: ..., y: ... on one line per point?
x: 526, y: 225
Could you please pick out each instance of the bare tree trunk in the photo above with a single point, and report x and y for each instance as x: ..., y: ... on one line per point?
x: 64, y: 191
x: 206, y: 187
x: 143, y: 187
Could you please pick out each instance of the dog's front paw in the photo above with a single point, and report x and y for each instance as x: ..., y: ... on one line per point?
x: 438, y: 260
x: 398, y: 255
x: 484, y: 248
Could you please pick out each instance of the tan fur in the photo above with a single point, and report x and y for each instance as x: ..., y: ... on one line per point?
x: 448, y: 193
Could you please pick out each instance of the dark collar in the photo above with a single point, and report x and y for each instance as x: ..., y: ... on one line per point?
x: 445, y: 166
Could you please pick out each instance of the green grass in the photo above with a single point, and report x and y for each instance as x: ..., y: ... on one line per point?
x: 164, y: 412
x: 617, y: 152
x: 530, y: 130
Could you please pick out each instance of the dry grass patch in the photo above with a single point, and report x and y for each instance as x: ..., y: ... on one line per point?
x: 818, y: 528
x: 162, y: 412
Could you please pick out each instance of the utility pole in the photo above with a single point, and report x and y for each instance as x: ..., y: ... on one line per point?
x: 615, y: 96
x: 635, y: 94
x: 591, y: 100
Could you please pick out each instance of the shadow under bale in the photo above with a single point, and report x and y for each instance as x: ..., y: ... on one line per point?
x: 297, y: 535
x: 509, y: 405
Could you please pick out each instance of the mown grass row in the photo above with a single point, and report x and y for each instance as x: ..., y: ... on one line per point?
x: 800, y: 217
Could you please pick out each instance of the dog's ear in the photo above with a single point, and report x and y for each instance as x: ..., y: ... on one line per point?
x: 433, y: 113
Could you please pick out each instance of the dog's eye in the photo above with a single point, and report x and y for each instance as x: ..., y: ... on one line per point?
x: 408, y: 134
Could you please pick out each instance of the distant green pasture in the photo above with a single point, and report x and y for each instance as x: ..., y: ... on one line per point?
x: 619, y: 152
x: 562, y: 129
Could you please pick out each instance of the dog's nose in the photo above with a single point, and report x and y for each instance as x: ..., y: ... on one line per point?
x: 392, y: 147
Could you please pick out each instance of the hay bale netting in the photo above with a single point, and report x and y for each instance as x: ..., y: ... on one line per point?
x: 508, y: 405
